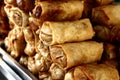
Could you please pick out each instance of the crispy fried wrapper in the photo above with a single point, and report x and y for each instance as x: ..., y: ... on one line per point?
x: 69, y: 31
x: 92, y: 72
x: 110, y: 51
x: 57, y: 72
x: 72, y: 54
x: 108, y: 33
x: 39, y: 63
x: 104, y: 2
x: 62, y: 10
x: 15, y: 42
x: 31, y: 39
x: 106, y: 15
x: 17, y: 18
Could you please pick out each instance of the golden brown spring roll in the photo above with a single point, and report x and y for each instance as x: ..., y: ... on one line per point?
x: 58, y: 10
x: 92, y: 72
x: 16, y: 16
x: 104, y: 2
x: 57, y: 72
x: 29, y: 36
x: 69, y: 31
x: 15, y: 42
x: 106, y: 15
x: 43, y: 49
x: 72, y: 54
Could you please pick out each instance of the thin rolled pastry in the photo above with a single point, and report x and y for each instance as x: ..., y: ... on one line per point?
x: 57, y: 72
x: 15, y: 42
x: 62, y: 10
x: 29, y: 36
x: 92, y: 72
x: 104, y: 2
x: 108, y: 34
x: 106, y: 15
x: 39, y: 63
x: 110, y: 51
x: 72, y: 54
x: 69, y: 31
x: 43, y: 49
x: 16, y: 16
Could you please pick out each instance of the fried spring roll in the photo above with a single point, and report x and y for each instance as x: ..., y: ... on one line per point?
x: 62, y: 10
x: 92, y: 72
x: 104, y: 2
x: 15, y: 42
x: 43, y: 49
x: 57, y: 72
x: 16, y: 16
x: 69, y: 31
x: 106, y: 15
x: 29, y: 36
x: 104, y: 33
x: 110, y: 51
x: 72, y: 54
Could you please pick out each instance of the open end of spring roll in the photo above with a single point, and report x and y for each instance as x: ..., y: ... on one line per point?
x: 62, y: 10
x: 92, y: 72
x: 72, y: 54
x: 58, y: 55
x: 16, y: 16
x: 57, y: 72
x: 106, y: 15
x: 69, y: 31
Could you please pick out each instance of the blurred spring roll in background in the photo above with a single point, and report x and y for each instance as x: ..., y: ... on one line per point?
x: 62, y: 10
x: 110, y: 51
x: 16, y: 16
x: 72, y: 54
x: 104, y: 2
x: 106, y: 15
x: 68, y: 31
x: 4, y: 26
x: 106, y: 34
x: 92, y: 72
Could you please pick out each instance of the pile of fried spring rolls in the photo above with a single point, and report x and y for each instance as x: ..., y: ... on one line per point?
x: 65, y: 39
